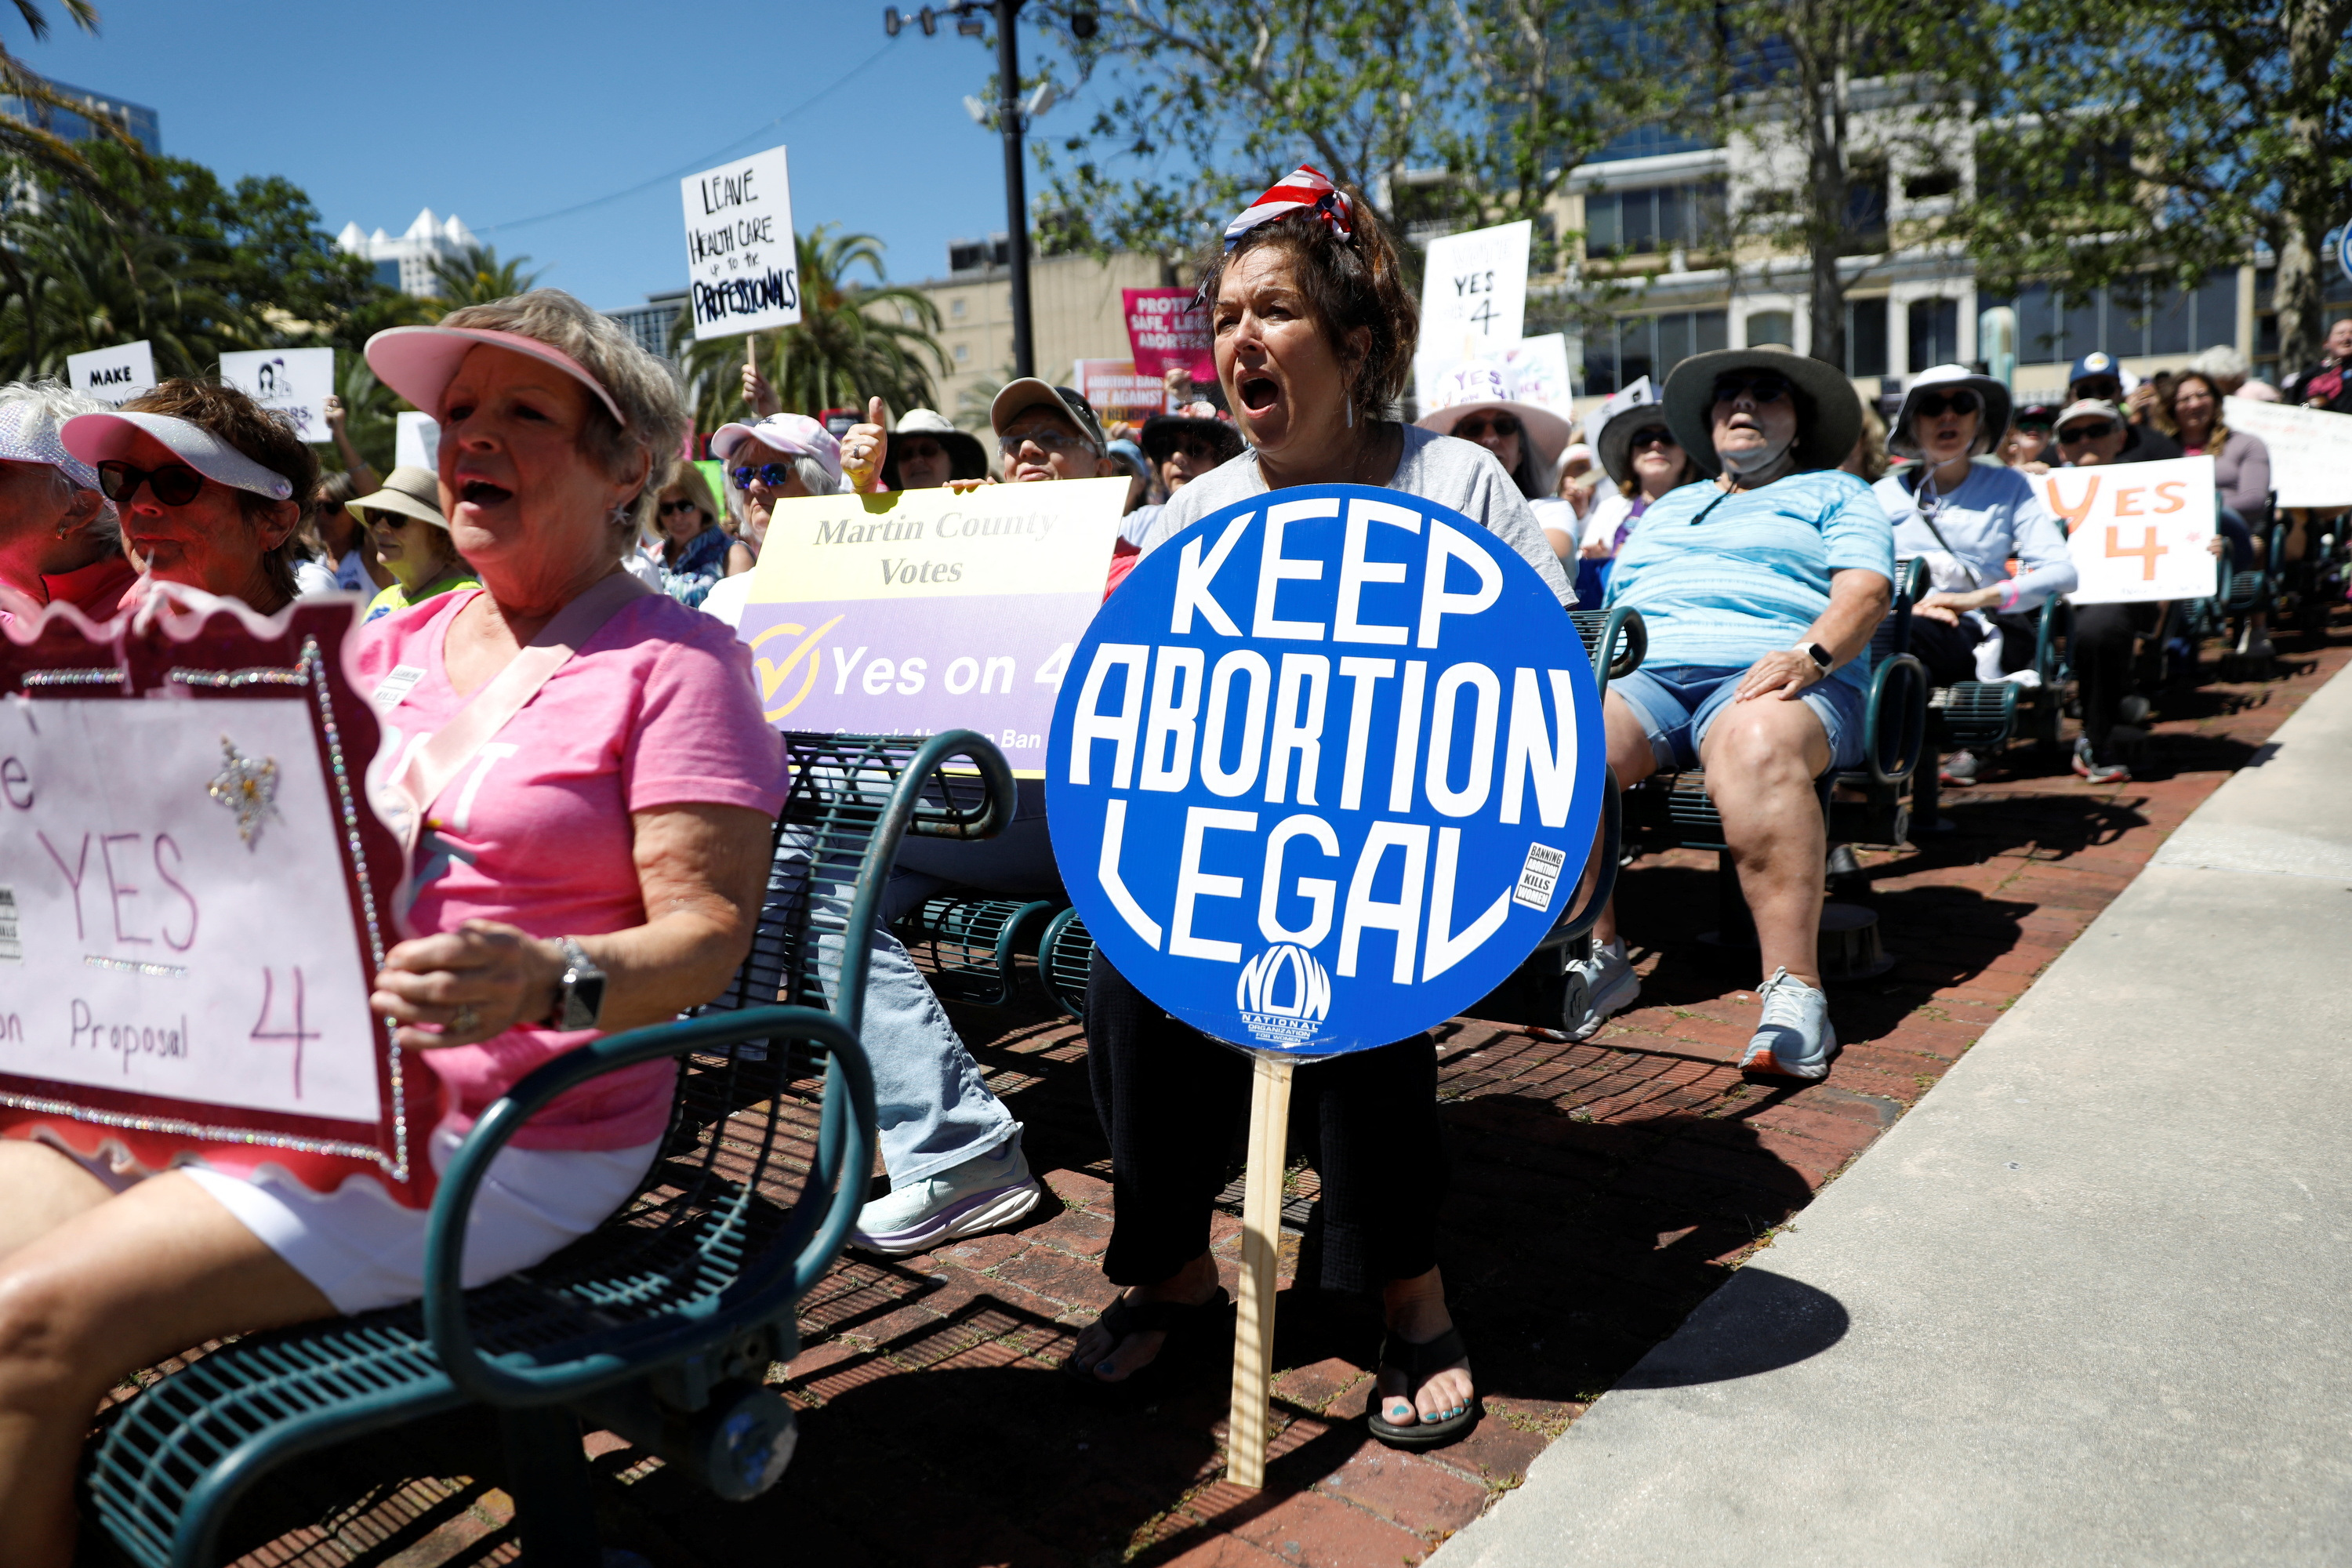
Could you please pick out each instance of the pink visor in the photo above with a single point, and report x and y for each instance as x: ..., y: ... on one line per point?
x: 418, y: 362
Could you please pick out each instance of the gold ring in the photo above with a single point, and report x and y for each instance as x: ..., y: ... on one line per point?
x: 464, y: 1019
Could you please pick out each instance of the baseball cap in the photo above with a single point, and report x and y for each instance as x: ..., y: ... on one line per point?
x: 2089, y: 408
x: 100, y: 437
x: 1018, y: 397
x: 794, y: 433
x: 2097, y: 362
x: 419, y: 363
x: 30, y: 434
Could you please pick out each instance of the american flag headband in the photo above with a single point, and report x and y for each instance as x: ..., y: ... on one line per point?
x: 1302, y: 190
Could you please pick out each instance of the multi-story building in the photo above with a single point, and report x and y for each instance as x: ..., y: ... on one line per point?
x: 652, y: 322
x: 79, y: 124
x: 1665, y: 256
x: 406, y: 263
x: 1075, y: 311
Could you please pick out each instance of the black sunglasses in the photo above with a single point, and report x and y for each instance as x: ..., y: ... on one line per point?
x: 173, y: 484
x: 1933, y: 403
x: 1478, y: 425
x: 681, y: 504
x: 1762, y: 388
x: 2074, y: 435
x: 771, y: 475
x: 1652, y: 436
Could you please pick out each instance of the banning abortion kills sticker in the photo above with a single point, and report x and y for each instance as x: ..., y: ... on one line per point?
x: 1325, y: 769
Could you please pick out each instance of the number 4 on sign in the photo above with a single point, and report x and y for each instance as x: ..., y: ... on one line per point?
x: 2147, y: 550
x: 297, y: 1036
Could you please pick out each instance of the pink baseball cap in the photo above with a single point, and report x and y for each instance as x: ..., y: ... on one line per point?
x: 418, y: 362
x: 794, y: 433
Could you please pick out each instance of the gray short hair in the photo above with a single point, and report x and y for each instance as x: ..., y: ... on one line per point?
x: 52, y: 403
x: 646, y: 390
x: 2221, y: 363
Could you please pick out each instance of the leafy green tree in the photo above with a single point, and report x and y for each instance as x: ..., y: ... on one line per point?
x: 853, y: 342
x: 1446, y: 116
x: 476, y: 276
x: 79, y: 281
x: 2120, y: 141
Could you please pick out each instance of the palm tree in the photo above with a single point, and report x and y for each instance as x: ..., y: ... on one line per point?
x: 20, y: 136
x: 73, y: 279
x: 844, y: 349
x: 476, y: 276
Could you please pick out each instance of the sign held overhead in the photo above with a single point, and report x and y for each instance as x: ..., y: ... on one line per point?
x: 295, y: 383
x: 742, y: 264
x: 115, y: 375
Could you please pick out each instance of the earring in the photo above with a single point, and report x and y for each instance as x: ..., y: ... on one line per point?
x: 1351, y: 414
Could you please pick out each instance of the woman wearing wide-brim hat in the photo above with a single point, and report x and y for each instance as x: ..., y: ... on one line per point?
x: 1642, y: 460
x: 927, y: 451
x: 1474, y: 405
x: 1760, y: 592
x: 412, y: 537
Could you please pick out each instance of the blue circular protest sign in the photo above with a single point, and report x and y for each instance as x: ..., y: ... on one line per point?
x: 1325, y: 769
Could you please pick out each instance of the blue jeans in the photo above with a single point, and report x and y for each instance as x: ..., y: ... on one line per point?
x: 1679, y: 703
x: 933, y: 1104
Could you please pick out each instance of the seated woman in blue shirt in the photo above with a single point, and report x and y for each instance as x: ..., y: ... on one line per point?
x: 1969, y: 519
x: 1760, y: 592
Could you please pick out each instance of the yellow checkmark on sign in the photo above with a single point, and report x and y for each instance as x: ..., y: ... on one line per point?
x: 805, y: 656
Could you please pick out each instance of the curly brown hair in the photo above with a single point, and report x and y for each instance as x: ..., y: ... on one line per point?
x: 1349, y: 283
x: 261, y: 435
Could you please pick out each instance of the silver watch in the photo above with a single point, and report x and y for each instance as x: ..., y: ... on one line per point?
x: 579, y: 995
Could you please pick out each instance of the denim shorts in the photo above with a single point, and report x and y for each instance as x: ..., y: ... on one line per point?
x: 1677, y: 704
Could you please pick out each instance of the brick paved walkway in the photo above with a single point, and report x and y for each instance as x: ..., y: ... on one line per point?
x: 1599, y: 1192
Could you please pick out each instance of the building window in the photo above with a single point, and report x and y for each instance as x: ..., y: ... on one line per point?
x: 962, y: 353
x: 387, y: 273
x: 1652, y: 222
x: 955, y: 306
x: 2157, y: 317
x: 1865, y: 337
x: 1771, y: 327
x: 1634, y: 346
x: 1934, y: 333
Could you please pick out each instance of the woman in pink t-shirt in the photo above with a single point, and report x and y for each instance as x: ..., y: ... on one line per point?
x: 596, y: 865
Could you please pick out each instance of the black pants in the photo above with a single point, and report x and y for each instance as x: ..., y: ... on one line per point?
x: 2101, y: 648
x: 1173, y: 1103
x: 1950, y: 652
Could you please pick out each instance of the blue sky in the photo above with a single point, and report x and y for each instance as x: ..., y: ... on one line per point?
x: 502, y: 111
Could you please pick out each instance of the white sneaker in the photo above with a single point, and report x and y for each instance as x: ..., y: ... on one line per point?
x: 1794, y: 1039
x: 1598, y: 985
x: 984, y: 1193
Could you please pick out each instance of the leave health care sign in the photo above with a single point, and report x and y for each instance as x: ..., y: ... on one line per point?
x: 1325, y: 769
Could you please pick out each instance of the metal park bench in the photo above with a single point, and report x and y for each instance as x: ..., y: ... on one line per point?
x: 661, y: 1324
x: 1985, y: 716
x: 1673, y: 810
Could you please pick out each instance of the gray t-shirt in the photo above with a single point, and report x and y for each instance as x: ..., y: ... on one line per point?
x: 1457, y: 474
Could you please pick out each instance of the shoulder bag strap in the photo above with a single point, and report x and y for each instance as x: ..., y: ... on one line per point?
x: 432, y: 765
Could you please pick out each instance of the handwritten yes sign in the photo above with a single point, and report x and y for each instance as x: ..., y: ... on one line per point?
x: 2137, y: 530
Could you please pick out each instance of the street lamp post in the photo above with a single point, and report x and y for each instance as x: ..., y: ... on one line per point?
x: 1010, y: 118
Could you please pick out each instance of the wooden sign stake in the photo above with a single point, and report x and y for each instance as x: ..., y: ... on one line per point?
x: 1261, y: 1238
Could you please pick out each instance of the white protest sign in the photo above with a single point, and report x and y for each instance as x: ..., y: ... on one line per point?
x: 741, y: 261
x: 2311, y: 449
x: 2137, y: 530
x: 415, y: 441
x: 114, y: 375
x: 1533, y: 369
x: 1474, y: 291
x: 295, y: 383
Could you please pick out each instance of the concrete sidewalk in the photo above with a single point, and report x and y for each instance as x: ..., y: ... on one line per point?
x: 2090, y: 1302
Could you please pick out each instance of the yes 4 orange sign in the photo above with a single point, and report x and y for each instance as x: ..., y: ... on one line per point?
x: 2138, y: 530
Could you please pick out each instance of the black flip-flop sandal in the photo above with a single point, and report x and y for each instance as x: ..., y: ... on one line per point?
x: 1182, y: 1323
x: 1420, y: 1363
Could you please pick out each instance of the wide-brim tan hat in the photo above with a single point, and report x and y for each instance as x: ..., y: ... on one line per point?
x: 412, y: 492
x: 1992, y: 417
x: 1547, y: 431
x: 1824, y: 436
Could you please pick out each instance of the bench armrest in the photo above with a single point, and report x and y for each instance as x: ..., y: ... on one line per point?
x: 844, y: 1156
x: 1898, y: 695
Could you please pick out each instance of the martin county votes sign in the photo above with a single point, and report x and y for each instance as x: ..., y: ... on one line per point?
x: 1325, y: 769
x: 2137, y: 530
x: 920, y: 611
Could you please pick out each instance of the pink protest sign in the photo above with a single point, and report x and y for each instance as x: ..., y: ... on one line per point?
x: 1166, y: 330
x: 194, y: 897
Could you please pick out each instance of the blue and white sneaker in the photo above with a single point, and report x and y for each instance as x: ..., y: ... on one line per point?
x: 1600, y: 983
x: 1794, y: 1039
x: 984, y: 1193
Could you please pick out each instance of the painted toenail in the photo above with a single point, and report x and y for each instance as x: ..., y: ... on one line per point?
x: 1106, y: 1366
